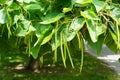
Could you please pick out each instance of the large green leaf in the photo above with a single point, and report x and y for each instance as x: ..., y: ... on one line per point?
x: 115, y: 38
x: 40, y: 28
x: 100, y: 29
x: 34, y: 51
x: 77, y: 24
x: 24, y: 28
x: 115, y: 33
x: 53, y: 19
x: 28, y: 1
x: 115, y: 14
x: 33, y: 7
x: 44, y: 49
x: 4, y: 16
x: 111, y: 44
x: 97, y: 46
x: 44, y: 33
x: 20, y: 31
x: 68, y: 34
x: 109, y: 7
x: 113, y: 27
x: 89, y: 14
x: 82, y: 1
x: 92, y: 30
x: 99, y: 5
x: 47, y: 38
x: 17, y: 17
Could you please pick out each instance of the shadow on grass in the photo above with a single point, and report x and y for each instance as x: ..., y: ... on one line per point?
x: 12, y: 68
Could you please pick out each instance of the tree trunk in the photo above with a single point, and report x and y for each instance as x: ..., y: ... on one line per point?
x: 33, y: 65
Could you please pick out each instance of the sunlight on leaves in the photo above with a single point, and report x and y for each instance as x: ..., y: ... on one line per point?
x: 53, y: 19
x: 92, y: 30
x: 99, y: 5
x: 83, y: 1
x: 77, y: 24
x: 4, y: 17
x: 89, y: 14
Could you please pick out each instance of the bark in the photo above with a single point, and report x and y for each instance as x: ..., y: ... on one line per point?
x: 33, y: 65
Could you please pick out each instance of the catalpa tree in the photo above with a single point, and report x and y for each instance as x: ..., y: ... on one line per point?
x: 45, y: 26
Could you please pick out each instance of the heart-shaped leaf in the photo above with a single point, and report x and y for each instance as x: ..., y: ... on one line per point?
x: 77, y: 24
x: 92, y: 30
x: 99, y: 5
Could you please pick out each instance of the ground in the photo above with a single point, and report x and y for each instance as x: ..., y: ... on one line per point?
x: 93, y: 69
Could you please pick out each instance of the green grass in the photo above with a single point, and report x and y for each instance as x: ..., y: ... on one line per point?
x: 93, y: 69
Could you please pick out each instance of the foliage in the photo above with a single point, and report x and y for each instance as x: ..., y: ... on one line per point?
x: 48, y: 25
